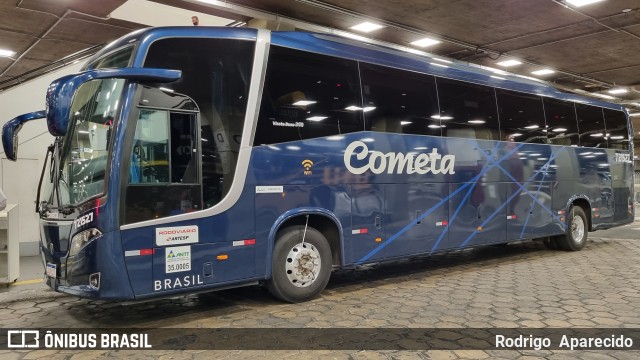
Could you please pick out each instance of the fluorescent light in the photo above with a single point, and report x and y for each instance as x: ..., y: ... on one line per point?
x: 597, y: 135
x: 516, y: 134
x: 543, y: 72
x: 316, y: 118
x: 476, y: 121
x: 6, y: 53
x: 531, y: 127
x: 440, y: 65
x: 353, y: 108
x: 578, y: 3
x: 617, y: 137
x: 368, y: 108
x: 634, y: 114
x: 405, y: 122
x: 498, y: 77
x: 618, y: 91
x: 508, y: 63
x: 303, y: 102
x: 366, y: 27
x: 441, y: 117
x: 559, y: 130
x: 83, y: 132
x: 425, y: 42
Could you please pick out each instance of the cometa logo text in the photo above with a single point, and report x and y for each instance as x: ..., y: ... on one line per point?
x: 378, y: 162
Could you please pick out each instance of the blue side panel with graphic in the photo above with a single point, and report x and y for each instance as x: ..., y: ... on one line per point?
x: 495, y: 192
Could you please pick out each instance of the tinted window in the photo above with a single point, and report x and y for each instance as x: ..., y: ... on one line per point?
x: 118, y: 59
x: 591, y: 126
x: 521, y: 117
x: 398, y: 101
x: 616, y: 124
x: 308, y: 95
x: 216, y: 74
x: 467, y: 110
x: 562, y: 128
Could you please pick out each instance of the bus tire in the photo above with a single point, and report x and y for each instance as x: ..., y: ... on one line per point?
x: 299, y: 271
x: 575, y: 237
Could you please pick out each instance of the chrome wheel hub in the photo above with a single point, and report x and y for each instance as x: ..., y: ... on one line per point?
x: 577, y: 229
x: 303, y: 264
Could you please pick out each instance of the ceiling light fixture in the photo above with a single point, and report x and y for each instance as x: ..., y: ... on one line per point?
x: 441, y: 117
x: 476, y: 121
x: 366, y: 27
x: 579, y: 3
x: 6, y: 53
x: 425, y: 42
x: 316, y: 118
x: 618, y: 91
x: 508, y: 63
x: 543, y: 72
x: 303, y: 102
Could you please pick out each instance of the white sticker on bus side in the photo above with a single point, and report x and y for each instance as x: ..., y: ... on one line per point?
x: 177, y: 259
x: 269, y: 189
x: 177, y: 235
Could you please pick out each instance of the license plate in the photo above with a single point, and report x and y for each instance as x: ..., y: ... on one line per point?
x: 51, y: 270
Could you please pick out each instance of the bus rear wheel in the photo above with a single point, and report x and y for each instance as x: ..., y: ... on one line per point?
x: 575, y: 237
x: 300, y: 270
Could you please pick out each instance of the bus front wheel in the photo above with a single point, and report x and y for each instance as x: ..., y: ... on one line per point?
x: 576, y: 235
x: 301, y: 264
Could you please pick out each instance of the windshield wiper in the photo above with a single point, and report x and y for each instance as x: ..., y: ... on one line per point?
x: 55, y: 157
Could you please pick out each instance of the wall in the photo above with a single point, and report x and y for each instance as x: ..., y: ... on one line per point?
x: 19, y: 180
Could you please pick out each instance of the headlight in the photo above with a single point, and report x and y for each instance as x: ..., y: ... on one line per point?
x: 81, y: 239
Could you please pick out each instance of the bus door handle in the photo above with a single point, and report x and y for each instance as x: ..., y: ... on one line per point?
x: 378, y: 222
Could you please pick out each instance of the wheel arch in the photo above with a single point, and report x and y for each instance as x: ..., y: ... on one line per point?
x: 585, y: 203
x: 321, y: 219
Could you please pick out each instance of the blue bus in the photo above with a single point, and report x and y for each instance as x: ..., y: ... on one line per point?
x: 188, y: 159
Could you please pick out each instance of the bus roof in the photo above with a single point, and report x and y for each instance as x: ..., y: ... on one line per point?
x: 338, y: 46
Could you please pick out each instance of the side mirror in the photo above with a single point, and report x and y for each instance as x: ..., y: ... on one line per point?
x: 60, y: 93
x: 11, y: 129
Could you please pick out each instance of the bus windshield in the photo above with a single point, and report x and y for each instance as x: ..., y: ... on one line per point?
x: 85, y: 148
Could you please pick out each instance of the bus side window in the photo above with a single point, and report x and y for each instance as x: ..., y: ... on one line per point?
x: 308, y: 95
x: 521, y: 117
x: 398, y: 101
x: 150, y: 158
x: 164, y: 173
x: 466, y: 110
x: 616, y: 125
x: 591, y: 126
x: 562, y: 127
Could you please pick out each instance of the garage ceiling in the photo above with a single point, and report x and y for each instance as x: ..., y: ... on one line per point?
x: 592, y: 48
